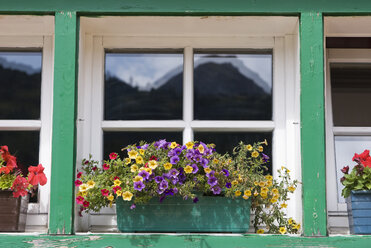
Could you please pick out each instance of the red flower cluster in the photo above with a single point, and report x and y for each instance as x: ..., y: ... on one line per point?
x: 11, y: 161
x: 20, y: 186
x: 363, y: 158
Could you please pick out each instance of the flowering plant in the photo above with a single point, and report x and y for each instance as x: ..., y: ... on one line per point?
x: 11, y: 177
x: 360, y: 176
x: 164, y: 169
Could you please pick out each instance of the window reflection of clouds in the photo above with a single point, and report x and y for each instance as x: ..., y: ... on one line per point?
x: 29, y: 62
x: 141, y: 70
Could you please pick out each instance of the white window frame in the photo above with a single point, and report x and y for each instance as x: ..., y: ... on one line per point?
x: 188, y: 33
x: 34, y: 32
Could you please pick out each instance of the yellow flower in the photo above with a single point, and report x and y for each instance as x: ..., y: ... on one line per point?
x: 256, y: 193
x: 138, y: 178
x: 152, y: 164
x: 189, y: 145
x: 188, y: 169
x: 110, y: 197
x: 234, y: 182
x: 127, y: 161
x: 269, y: 183
x: 127, y: 195
x: 141, y: 151
x: 90, y: 184
x: 173, y: 145
x: 139, y: 160
x: 134, y: 168
x: 249, y: 147
x: 269, y: 177
x: 149, y: 170
x: 282, y: 230
x: 273, y: 200
x: 260, y: 149
x: 276, y: 196
x: 247, y: 192
x: 264, y: 189
x: 283, y: 167
x: 291, y: 188
x: 295, y: 227
x: 261, y: 184
x: 265, y: 142
x: 264, y: 194
x: 83, y: 187
x: 290, y: 221
x: 215, y: 161
x: 245, y: 197
x: 168, y: 166
x: 284, y: 205
x: 260, y: 231
x: 237, y: 193
x: 132, y: 154
x: 275, y: 191
x: 240, y: 179
x: 201, y: 149
x: 207, y: 170
x: 118, y: 192
x: 117, y: 182
x: 254, y: 154
x: 256, y: 183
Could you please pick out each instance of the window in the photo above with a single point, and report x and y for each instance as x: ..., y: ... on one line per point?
x: 26, y: 58
x: 215, y: 79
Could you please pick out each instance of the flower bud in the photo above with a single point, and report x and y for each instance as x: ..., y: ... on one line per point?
x: 345, y: 169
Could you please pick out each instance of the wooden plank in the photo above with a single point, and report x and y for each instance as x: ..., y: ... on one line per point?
x: 313, y: 124
x: 63, y: 141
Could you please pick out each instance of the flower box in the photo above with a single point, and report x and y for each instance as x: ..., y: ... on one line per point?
x: 13, y: 212
x: 209, y: 214
x: 359, y: 212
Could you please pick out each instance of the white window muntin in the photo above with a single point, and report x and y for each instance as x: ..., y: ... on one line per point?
x: 27, y: 33
x: 175, y: 33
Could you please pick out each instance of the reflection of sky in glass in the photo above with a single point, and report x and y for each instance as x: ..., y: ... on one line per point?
x: 143, y: 70
x: 255, y: 66
x: 29, y: 62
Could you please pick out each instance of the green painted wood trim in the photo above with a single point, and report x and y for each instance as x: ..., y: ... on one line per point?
x: 189, y: 7
x: 61, y: 211
x: 179, y: 241
x: 312, y: 117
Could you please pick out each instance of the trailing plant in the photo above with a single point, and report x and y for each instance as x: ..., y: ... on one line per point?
x: 164, y: 169
x: 360, y: 176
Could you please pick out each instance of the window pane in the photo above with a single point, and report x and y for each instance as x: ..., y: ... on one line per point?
x: 143, y: 86
x: 20, y: 83
x: 345, y: 147
x: 115, y: 141
x: 232, y: 86
x: 351, y: 94
x: 226, y: 141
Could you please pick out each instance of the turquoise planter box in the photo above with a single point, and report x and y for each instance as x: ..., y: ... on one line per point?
x: 359, y: 212
x: 209, y: 214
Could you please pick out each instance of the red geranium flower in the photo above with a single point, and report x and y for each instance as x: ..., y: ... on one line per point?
x: 113, y: 155
x: 116, y: 188
x: 361, y: 157
x: 79, y: 175
x: 115, y: 178
x: 36, y: 175
x: 80, y: 200
x: 11, y: 161
x: 86, y: 204
x: 94, y: 168
x: 19, y: 187
x: 78, y: 183
x: 153, y: 158
x: 105, y: 166
x: 104, y: 192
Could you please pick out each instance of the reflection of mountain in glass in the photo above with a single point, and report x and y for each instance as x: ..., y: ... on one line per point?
x: 228, y: 91
x: 20, y: 91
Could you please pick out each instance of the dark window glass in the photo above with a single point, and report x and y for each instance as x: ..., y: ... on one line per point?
x: 232, y: 86
x: 351, y: 94
x: 226, y: 141
x: 20, y: 83
x: 143, y: 86
x: 115, y: 141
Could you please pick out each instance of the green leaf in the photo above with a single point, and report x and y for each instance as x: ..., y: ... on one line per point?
x: 368, y: 185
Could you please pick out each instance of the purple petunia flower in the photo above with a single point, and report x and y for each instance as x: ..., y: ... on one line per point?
x: 139, y: 185
x: 216, y: 190
x: 228, y: 185
x: 211, y: 174
x: 163, y: 185
x: 169, y: 192
x: 144, y: 147
x: 212, y: 181
x: 158, y: 179
x: 175, y: 190
x: 195, y: 200
x: 189, y: 155
x: 133, y: 206
x: 197, y: 158
x: 174, y: 159
x: 166, y: 175
x: 161, y: 144
x: 178, y: 151
x: 204, y: 162
x: 195, y: 168
x: 174, y: 180
x: 226, y: 172
x: 265, y: 157
x: 174, y: 173
x: 144, y: 174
